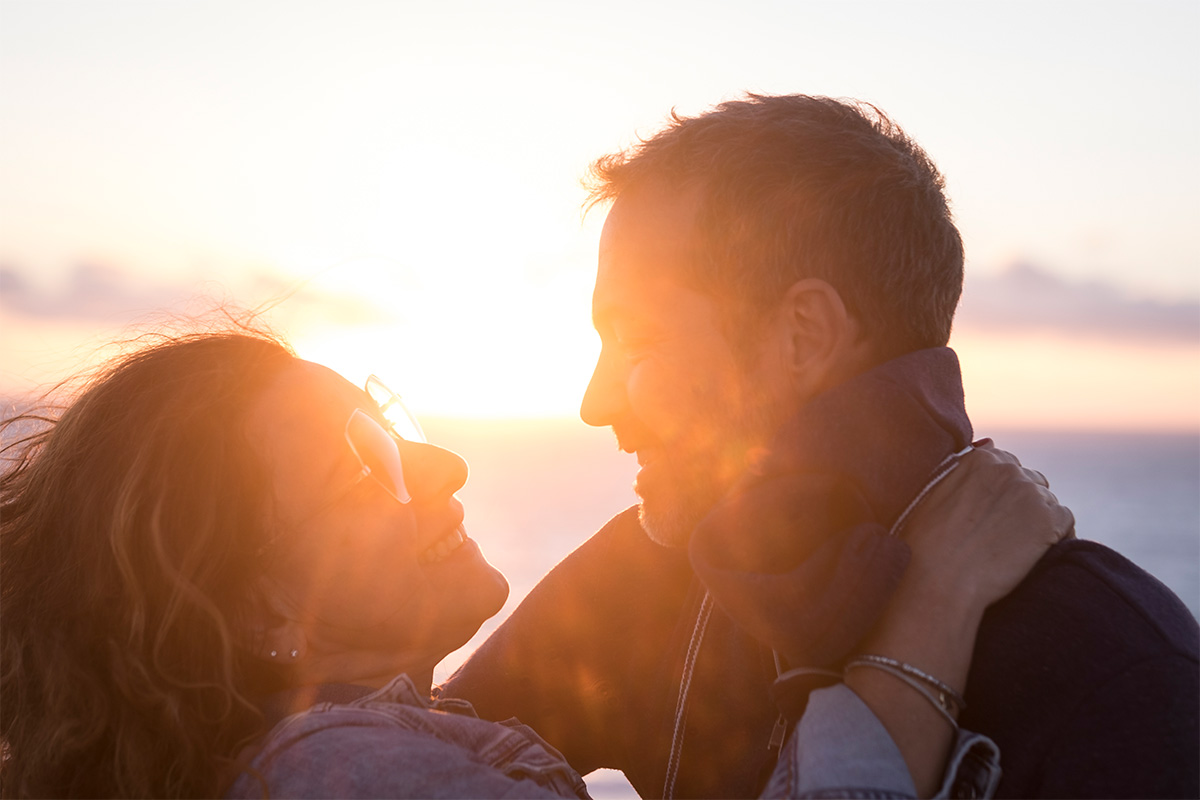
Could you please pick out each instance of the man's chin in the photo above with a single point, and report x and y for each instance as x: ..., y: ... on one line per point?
x: 674, y: 500
x: 669, y: 524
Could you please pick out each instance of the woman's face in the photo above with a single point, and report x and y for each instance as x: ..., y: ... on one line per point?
x: 372, y: 585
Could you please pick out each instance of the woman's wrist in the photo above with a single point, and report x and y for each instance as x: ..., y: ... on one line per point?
x: 915, y: 725
x: 930, y: 630
x: 934, y: 633
x: 942, y: 698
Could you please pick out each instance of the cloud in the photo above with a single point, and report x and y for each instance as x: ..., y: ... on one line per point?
x: 1023, y: 299
x: 93, y: 293
x: 1026, y: 299
x: 103, y: 295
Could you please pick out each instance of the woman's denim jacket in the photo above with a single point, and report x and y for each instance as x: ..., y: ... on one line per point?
x: 396, y: 743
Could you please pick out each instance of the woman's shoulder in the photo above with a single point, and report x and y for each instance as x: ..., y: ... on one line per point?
x: 377, y: 747
x: 353, y: 752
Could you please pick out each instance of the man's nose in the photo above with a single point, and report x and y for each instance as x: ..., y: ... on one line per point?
x: 604, y: 399
x: 431, y: 472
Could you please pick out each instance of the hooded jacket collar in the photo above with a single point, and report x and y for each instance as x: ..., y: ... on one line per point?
x: 799, y: 552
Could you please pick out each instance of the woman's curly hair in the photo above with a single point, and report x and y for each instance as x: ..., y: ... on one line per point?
x: 130, y: 529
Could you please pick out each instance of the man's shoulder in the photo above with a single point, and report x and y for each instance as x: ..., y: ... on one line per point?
x: 1086, y: 676
x: 1084, y: 614
x: 1083, y: 589
x: 617, y: 557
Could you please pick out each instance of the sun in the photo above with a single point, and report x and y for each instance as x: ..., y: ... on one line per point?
x: 461, y: 279
x: 455, y: 344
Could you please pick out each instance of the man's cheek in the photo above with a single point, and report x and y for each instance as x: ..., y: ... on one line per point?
x: 656, y: 400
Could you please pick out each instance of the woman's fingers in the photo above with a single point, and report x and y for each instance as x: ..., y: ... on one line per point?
x: 1036, y: 477
x: 984, y: 527
x: 987, y: 446
x: 1066, y: 525
x: 1061, y: 519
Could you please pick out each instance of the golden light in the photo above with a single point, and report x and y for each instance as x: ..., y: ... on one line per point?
x: 492, y: 348
x: 462, y: 280
x: 1053, y: 382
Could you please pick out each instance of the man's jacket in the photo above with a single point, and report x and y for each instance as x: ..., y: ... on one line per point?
x: 626, y: 655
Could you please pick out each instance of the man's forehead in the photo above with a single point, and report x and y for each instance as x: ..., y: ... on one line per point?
x: 651, y: 215
x: 648, y: 245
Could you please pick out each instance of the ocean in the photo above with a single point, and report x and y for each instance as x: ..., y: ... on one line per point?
x: 538, y: 488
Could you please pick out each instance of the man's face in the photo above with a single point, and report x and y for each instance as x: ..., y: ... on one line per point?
x: 668, y: 381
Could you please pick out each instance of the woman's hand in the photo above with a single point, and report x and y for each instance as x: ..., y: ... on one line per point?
x: 973, y: 539
x: 981, y: 530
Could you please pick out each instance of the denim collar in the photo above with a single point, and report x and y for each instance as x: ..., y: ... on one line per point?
x: 400, y: 690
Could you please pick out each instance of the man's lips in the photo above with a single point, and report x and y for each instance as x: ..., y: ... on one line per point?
x: 627, y: 445
x: 644, y: 448
x: 644, y: 456
x: 645, y: 473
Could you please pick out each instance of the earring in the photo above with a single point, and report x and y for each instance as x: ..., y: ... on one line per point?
x: 274, y: 653
x: 294, y: 653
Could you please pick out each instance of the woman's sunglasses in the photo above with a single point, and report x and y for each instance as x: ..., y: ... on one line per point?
x: 375, y: 447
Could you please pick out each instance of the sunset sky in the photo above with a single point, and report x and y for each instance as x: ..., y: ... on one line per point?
x: 403, y: 178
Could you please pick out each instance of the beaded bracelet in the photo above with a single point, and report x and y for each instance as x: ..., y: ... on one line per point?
x: 948, y: 702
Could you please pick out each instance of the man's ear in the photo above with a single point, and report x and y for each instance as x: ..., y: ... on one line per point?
x: 275, y: 635
x: 823, y: 346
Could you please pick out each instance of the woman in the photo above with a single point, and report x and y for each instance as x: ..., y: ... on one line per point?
x: 215, y: 535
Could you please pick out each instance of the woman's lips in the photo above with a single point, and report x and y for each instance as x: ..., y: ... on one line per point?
x: 443, y: 546
x: 450, y: 522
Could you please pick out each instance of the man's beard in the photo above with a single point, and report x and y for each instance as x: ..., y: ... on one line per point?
x: 670, y: 512
x: 687, y: 485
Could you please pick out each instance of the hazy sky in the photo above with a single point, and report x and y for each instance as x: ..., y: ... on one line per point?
x: 418, y: 166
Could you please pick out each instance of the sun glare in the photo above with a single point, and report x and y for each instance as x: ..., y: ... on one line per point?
x: 524, y: 351
x: 475, y: 297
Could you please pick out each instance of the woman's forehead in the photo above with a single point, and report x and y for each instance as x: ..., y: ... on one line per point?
x: 298, y: 422
x: 308, y: 393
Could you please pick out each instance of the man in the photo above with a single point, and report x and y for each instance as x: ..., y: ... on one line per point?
x: 777, y: 280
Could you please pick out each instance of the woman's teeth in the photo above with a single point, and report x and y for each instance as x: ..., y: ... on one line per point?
x: 443, y: 546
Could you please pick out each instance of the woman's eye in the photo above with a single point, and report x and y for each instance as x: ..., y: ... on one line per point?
x: 365, y: 492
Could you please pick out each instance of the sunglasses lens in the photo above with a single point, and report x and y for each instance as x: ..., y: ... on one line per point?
x: 404, y: 424
x: 377, y: 450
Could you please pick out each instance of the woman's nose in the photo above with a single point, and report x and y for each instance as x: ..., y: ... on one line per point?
x: 430, y: 471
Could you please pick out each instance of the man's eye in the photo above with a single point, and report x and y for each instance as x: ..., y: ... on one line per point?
x: 632, y: 343
x: 631, y: 337
x: 631, y: 346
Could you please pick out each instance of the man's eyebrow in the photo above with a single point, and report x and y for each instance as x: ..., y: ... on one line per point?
x: 605, y: 317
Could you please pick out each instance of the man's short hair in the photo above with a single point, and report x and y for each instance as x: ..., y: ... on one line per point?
x: 796, y: 187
